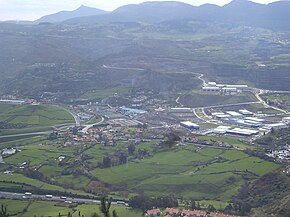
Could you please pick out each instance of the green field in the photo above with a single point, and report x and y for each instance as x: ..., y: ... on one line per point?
x: 19, y: 208
x: 229, y: 140
x: 209, y: 173
x: 102, y: 93
x: 190, y: 171
x: 19, y: 181
x: 203, y: 99
x: 32, y: 118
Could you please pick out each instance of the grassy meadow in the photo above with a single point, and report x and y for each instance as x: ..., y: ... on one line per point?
x: 32, y: 118
x: 201, y: 174
x: 21, y: 208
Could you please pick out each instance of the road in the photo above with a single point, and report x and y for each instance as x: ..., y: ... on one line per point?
x: 27, y: 134
x: 200, y: 77
x: 87, y: 127
x: 77, y: 120
x: 259, y: 92
x: 22, y: 196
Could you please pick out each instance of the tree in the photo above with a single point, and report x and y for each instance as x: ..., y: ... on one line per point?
x: 74, y: 130
x: 211, y: 208
x: 3, y: 211
x: 69, y: 214
x: 192, y: 204
x: 106, y: 161
x: 95, y: 215
x: 131, y: 149
x: 229, y: 208
x: 115, y: 213
x: 105, y: 207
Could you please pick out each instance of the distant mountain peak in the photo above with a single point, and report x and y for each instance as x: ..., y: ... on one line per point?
x: 82, y: 7
x: 65, y: 15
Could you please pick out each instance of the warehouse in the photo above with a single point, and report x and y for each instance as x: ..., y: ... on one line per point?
x: 243, y: 132
x: 276, y: 126
x: 189, y: 125
x: 248, y: 123
x: 221, y: 130
x: 238, y: 86
x: 245, y: 112
x: 130, y: 111
x: 229, y: 90
x: 254, y: 119
x: 234, y: 114
x: 217, y: 89
x: 211, y: 84
x: 286, y: 120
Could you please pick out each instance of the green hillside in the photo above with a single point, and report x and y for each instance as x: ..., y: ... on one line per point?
x: 17, y: 119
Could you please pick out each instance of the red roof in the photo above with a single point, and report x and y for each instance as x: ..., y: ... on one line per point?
x: 193, y: 212
x: 171, y: 210
x: 221, y: 215
x: 152, y: 211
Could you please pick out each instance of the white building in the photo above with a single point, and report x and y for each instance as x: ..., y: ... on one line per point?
x: 214, y: 89
x: 229, y: 90
x: 243, y: 132
x: 234, y: 114
x: 254, y: 119
x: 189, y: 125
x: 286, y: 120
x: 245, y: 112
x: 276, y: 126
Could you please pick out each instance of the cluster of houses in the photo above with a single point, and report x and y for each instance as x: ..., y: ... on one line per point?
x: 281, y: 155
x: 172, y: 212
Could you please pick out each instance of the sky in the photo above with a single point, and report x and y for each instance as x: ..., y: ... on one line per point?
x: 34, y: 9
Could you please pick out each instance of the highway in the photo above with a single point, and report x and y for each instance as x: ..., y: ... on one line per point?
x: 27, y: 134
x: 87, y: 127
x: 22, y: 196
x: 261, y: 91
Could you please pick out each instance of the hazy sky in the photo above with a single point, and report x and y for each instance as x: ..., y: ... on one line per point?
x: 33, y: 9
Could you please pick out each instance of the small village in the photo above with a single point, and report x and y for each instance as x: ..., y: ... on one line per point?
x: 172, y: 212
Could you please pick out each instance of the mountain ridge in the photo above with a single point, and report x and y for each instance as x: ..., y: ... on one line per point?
x: 65, y: 15
x: 274, y: 15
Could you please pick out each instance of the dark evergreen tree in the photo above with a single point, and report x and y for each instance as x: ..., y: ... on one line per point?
x: 3, y: 211
x: 105, y: 207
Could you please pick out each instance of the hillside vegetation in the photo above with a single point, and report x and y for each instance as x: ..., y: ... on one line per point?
x: 17, y: 119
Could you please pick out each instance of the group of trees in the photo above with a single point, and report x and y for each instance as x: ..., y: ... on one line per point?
x: 144, y: 202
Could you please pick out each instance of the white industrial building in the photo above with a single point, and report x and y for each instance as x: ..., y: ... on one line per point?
x: 229, y: 90
x: 189, y: 125
x: 214, y: 89
x: 221, y: 130
x: 286, y: 120
x: 245, y: 112
x: 238, y: 86
x: 12, y: 101
x: 254, y: 119
x: 211, y: 84
x: 276, y: 126
x: 247, y: 123
x: 234, y: 114
x: 243, y: 132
